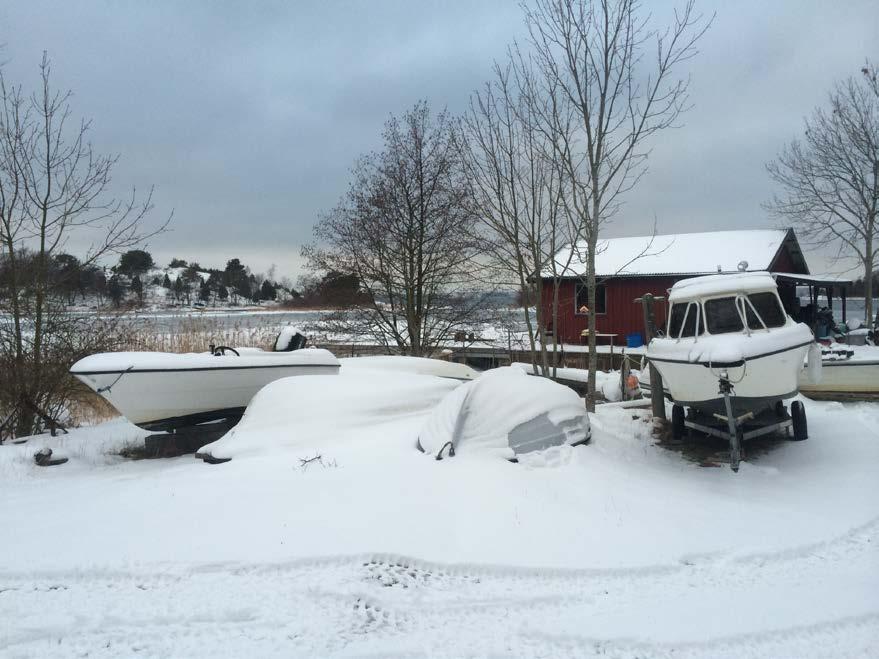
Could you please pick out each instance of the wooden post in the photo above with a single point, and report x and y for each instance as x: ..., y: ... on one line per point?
x: 657, y: 397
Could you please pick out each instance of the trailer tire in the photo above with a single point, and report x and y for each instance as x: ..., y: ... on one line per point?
x: 678, y: 429
x: 798, y: 415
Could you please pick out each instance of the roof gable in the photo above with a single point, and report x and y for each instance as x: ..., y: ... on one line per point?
x: 702, y: 253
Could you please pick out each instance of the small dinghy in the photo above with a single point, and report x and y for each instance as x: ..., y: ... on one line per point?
x: 167, y: 391
x: 730, y: 354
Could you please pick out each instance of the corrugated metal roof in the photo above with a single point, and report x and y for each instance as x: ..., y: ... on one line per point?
x: 675, y: 254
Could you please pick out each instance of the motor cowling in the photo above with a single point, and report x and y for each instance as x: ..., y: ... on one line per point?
x: 290, y: 339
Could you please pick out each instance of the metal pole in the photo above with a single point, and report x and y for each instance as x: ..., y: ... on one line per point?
x: 657, y: 396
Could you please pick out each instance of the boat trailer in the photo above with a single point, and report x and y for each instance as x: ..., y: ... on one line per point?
x: 732, y: 428
x: 179, y: 440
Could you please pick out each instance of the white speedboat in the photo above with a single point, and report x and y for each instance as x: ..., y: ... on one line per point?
x: 166, y: 391
x: 732, y: 328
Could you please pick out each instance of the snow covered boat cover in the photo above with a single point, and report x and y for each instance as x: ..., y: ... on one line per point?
x: 299, y: 415
x: 505, y: 412
x: 415, y: 365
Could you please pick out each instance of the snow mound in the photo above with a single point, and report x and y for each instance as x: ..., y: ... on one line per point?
x: 303, y: 414
x: 505, y: 413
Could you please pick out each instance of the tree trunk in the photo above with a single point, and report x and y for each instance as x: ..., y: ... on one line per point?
x: 868, y: 281
x: 593, y: 352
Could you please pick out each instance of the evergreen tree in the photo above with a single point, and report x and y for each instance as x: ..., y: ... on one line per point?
x: 137, y: 288
x: 268, y: 291
x: 166, y: 282
x: 134, y: 262
x: 115, y: 291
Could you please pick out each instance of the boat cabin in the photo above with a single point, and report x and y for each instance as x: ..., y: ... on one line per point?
x: 724, y: 304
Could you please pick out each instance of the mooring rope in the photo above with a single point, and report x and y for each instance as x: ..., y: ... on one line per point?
x: 101, y: 390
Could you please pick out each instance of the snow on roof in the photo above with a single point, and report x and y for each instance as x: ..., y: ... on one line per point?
x: 675, y: 254
x: 812, y: 279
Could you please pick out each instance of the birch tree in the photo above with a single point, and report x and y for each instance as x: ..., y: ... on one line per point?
x: 53, y: 188
x: 830, y: 178
x: 516, y: 187
x: 602, y: 65
x: 405, y: 230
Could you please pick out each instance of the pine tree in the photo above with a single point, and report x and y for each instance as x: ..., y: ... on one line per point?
x: 137, y: 288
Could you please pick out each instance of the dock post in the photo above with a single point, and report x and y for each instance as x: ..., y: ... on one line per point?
x: 657, y: 397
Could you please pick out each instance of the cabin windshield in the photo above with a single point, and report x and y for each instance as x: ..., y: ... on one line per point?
x: 685, y: 320
x: 722, y: 316
x: 768, y: 307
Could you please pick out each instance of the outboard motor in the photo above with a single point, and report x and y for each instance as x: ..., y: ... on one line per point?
x: 289, y: 339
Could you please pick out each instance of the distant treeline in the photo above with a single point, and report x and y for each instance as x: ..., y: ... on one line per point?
x: 185, y: 282
x: 858, y: 286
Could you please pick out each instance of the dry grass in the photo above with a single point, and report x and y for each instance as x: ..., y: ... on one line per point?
x: 90, y: 409
x: 196, y: 334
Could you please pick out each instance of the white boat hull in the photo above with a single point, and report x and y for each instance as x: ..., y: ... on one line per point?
x: 850, y: 379
x: 759, y: 381
x: 168, y: 397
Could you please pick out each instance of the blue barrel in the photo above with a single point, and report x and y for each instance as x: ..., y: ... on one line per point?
x: 634, y: 340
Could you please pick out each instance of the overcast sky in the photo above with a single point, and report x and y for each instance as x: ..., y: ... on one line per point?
x: 248, y: 116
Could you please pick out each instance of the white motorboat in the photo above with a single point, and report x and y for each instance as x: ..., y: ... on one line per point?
x: 732, y: 355
x: 166, y: 391
x: 848, y: 373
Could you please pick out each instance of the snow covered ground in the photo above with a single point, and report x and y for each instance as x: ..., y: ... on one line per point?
x: 619, y: 548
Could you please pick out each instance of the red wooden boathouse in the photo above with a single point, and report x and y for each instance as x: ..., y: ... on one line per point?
x: 627, y: 268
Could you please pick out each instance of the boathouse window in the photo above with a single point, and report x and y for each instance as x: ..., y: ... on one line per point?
x: 767, y: 305
x: 582, y: 299
x: 683, y: 320
x: 722, y: 316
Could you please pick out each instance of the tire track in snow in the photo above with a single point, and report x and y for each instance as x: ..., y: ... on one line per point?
x: 384, y: 604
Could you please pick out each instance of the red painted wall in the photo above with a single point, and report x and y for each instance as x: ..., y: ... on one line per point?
x: 623, y: 316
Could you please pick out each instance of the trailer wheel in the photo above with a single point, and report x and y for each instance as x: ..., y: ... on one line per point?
x: 678, y: 429
x: 798, y: 415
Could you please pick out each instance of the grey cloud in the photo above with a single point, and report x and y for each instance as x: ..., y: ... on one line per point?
x: 248, y: 116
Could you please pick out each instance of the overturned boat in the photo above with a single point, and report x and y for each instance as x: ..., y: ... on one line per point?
x: 730, y: 354
x: 167, y: 391
x: 505, y: 413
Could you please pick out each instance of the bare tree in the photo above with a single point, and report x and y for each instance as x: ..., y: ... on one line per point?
x: 611, y: 83
x: 53, y: 187
x: 516, y: 187
x: 404, y: 229
x: 830, y: 179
